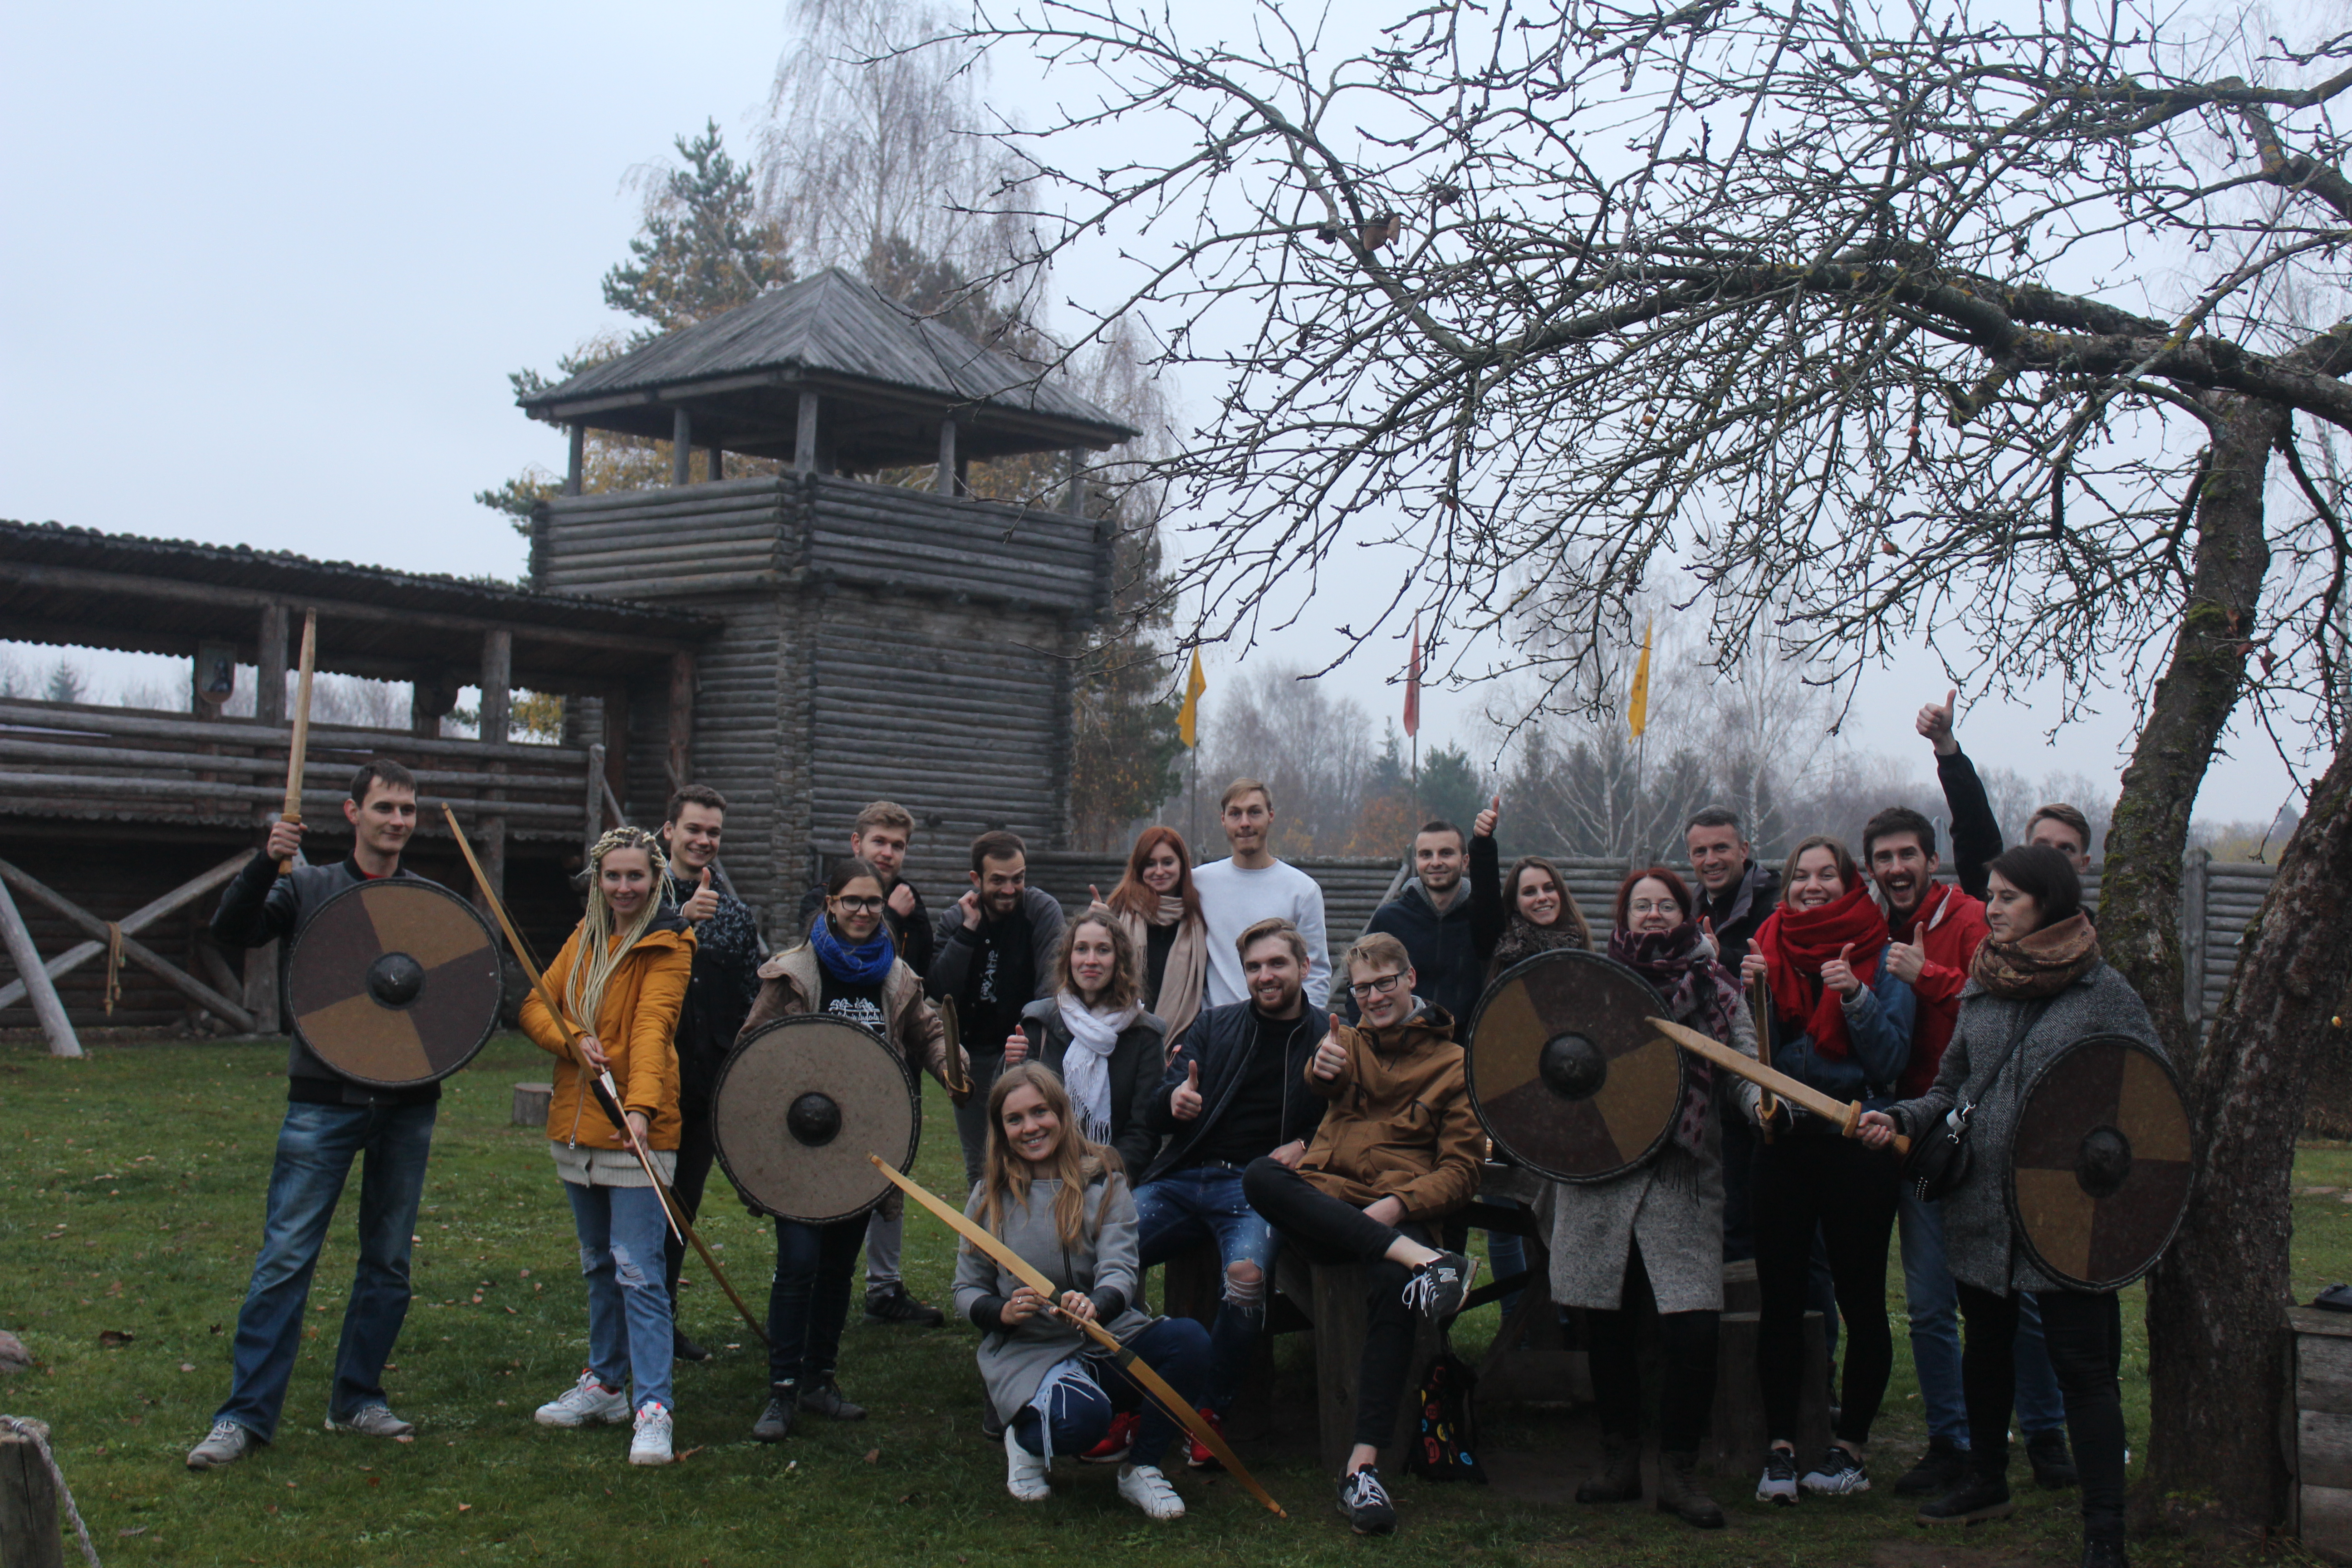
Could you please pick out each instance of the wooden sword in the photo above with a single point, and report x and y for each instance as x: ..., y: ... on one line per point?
x: 1846, y: 1116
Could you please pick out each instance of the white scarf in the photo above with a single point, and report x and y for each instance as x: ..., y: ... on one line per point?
x: 1085, y: 1067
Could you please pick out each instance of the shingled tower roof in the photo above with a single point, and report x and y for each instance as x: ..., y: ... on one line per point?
x: 887, y: 378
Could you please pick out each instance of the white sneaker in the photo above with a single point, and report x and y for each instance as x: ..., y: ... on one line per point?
x: 373, y: 1421
x: 1148, y: 1489
x: 1024, y: 1472
x: 650, y: 1445
x: 584, y: 1402
x: 225, y: 1443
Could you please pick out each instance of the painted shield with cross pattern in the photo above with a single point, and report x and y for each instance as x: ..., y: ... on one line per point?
x: 394, y: 982
x: 2101, y: 1164
x: 797, y: 1108
x: 1564, y: 1075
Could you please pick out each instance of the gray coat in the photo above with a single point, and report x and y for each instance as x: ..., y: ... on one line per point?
x: 1013, y: 1361
x: 1672, y: 1207
x: 1979, y: 1242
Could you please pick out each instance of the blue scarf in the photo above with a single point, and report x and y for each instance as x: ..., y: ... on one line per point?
x: 865, y: 965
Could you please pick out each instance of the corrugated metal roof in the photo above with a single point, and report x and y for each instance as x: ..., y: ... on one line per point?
x: 833, y: 325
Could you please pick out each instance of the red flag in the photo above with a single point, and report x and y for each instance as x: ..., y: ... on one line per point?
x: 1412, y: 684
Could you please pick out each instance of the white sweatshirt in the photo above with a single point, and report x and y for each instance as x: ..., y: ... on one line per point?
x: 1233, y: 899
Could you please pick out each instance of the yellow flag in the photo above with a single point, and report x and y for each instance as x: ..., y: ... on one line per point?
x: 1188, y: 723
x: 1637, y: 707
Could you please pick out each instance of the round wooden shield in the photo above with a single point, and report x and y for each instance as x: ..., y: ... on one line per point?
x: 1566, y: 1077
x: 2099, y: 1169
x: 798, y: 1107
x: 394, y: 982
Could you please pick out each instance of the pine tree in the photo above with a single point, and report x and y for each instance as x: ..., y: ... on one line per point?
x: 702, y: 251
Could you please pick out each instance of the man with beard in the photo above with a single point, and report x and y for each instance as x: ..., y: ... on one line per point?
x: 1250, y: 885
x: 1736, y: 892
x: 996, y: 947
x: 1432, y: 918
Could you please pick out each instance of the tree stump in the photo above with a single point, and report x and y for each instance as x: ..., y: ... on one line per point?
x: 2320, y: 1446
x: 1335, y: 1298
x: 29, y: 1535
x: 531, y: 1104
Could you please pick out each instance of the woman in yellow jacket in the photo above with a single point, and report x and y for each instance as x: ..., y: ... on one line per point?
x: 624, y: 969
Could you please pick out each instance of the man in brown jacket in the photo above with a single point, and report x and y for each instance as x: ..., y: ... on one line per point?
x: 1397, y: 1152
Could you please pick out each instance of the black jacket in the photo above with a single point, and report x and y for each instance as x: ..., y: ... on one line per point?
x: 911, y: 933
x: 953, y: 972
x: 1740, y: 910
x: 1136, y: 1065
x: 1447, y: 968
x: 1975, y: 832
x: 259, y: 907
x: 719, y: 994
x: 1219, y: 1040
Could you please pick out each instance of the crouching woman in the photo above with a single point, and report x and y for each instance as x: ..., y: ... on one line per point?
x: 1062, y: 1204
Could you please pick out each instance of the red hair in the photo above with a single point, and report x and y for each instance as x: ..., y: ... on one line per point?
x: 1666, y: 874
x: 1133, y: 896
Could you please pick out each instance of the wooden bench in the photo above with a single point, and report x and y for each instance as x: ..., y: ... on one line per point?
x: 2319, y: 1446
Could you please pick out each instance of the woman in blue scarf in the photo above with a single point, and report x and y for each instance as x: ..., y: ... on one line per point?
x: 847, y: 970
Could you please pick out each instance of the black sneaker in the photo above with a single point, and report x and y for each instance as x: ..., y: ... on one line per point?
x: 823, y: 1395
x: 1939, y: 1469
x: 1436, y: 1288
x: 1982, y: 1495
x: 1365, y: 1503
x: 895, y: 1306
x: 684, y: 1349
x: 2104, y: 1549
x: 1839, y: 1474
x: 2053, y: 1466
x: 775, y: 1423
x: 1778, y: 1482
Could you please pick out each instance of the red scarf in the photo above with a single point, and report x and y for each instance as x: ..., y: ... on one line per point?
x: 1795, y: 944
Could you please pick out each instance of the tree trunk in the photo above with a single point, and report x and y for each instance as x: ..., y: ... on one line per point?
x: 2215, y: 1304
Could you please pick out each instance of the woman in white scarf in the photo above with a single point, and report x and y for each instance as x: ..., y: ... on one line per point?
x: 1156, y: 907
x: 1094, y: 1033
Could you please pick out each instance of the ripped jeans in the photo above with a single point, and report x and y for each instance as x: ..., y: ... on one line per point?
x: 1201, y: 1204
x: 629, y: 1334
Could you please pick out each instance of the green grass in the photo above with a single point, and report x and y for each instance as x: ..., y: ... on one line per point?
x: 134, y: 1187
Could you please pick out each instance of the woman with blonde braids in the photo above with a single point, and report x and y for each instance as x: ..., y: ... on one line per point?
x: 621, y: 978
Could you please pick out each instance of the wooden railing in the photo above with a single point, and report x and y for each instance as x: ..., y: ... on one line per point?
x: 58, y: 758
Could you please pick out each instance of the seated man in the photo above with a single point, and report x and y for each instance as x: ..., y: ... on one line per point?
x: 1397, y: 1151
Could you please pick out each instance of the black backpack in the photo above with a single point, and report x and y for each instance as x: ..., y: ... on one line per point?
x: 1445, y: 1436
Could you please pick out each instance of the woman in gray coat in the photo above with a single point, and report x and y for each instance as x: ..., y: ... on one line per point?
x: 1657, y: 1231
x: 1062, y: 1204
x: 2038, y: 980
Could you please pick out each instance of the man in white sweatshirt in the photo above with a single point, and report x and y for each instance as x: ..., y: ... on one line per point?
x: 1253, y: 886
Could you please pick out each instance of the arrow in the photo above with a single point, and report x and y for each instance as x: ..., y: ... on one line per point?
x: 1127, y: 1361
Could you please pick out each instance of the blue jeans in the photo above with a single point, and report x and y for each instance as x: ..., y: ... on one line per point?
x: 808, y: 1300
x: 316, y: 1146
x: 630, y: 1332
x: 1934, y: 1300
x: 1204, y: 1203
x: 1175, y: 1348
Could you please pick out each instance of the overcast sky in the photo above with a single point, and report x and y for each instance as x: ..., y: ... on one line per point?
x: 268, y: 268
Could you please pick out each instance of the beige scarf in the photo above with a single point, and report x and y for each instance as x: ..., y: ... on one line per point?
x: 2039, y: 963
x: 1187, y: 974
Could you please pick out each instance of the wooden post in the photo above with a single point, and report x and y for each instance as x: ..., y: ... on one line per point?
x: 681, y: 718
x: 497, y: 695
x: 946, y: 484
x: 29, y: 1534
x: 577, y: 462
x: 616, y: 744
x: 804, y: 437
x: 269, y: 666
x: 1073, y: 500
x: 55, y: 1027
x: 594, y: 814
x: 681, y: 446
x: 260, y: 989
x: 430, y: 699
x: 718, y: 463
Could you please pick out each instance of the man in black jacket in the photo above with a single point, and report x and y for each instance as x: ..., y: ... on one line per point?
x: 330, y: 1122
x: 719, y: 992
x: 1432, y: 918
x: 1234, y: 1091
x: 996, y: 948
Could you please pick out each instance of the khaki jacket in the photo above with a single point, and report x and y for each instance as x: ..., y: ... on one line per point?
x: 637, y: 1023
x: 790, y: 982
x: 1400, y: 1123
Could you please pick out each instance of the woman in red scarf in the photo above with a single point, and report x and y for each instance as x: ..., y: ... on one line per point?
x: 1841, y: 1023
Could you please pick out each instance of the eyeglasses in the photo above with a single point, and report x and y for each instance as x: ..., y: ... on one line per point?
x: 1382, y: 987
x: 858, y: 906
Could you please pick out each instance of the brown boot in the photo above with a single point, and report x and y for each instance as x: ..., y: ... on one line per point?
x: 1680, y: 1494
x: 1619, y: 1476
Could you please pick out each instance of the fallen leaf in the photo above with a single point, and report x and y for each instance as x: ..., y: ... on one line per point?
x: 188, y: 1367
x: 134, y: 1530
x: 688, y: 1453
x: 375, y: 1480
x: 114, y: 1338
x: 873, y: 1455
x: 464, y: 1507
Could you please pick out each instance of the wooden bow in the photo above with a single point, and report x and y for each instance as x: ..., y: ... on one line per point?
x: 600, y: 1081
x: 1126, y: 1359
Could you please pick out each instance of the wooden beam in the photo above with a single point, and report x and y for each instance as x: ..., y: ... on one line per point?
x: 146, y: 958
x: 269, y: 672
x: 596, y: 809
x: 948, y: 475
x: 680, y: 761
x: 99, y: 786
x: 716, y: 463
x: 137, y: 921
x: 497, y: 681
x: 333, y: 737
x: 681, y: 446
x: 576, y: 462
x: 804, y: 436
x: 616, y: 743
x: 261, y: 987
x: 1074, y: 501
x: 34, y: 978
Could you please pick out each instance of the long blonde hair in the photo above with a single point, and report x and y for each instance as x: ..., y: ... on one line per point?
x: 1005, y: 1174
x: 598, y: 956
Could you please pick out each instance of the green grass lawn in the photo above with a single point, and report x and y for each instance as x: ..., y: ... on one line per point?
x: 132, y: 1203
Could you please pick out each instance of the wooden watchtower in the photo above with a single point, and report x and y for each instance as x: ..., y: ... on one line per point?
x: 878, y: 641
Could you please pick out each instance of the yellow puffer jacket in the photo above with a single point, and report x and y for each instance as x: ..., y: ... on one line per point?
x: 637, y: 1025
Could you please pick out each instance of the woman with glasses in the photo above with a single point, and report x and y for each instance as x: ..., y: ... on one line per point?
x: 849, y: 970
